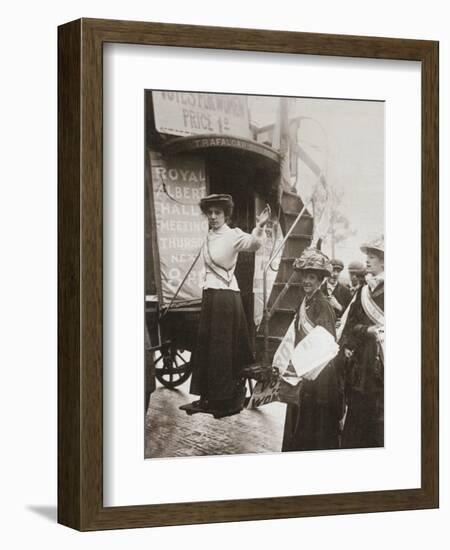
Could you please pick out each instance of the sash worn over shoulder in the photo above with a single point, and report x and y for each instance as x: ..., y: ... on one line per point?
x: 344, y: 318
x: 376, y: 315
x: 223, y: 273
x: 305, y: 322
x: 371, y: 308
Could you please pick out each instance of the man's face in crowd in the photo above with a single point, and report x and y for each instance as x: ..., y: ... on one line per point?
x: 335, y: 274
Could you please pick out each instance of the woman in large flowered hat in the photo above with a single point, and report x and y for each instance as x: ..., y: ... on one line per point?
x: 313, y: 421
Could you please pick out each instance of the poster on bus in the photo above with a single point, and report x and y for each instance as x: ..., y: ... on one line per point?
x: 178, y: 185
x: 187, y: 114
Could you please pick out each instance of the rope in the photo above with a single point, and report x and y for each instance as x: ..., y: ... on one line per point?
x: 166, y: 192
x: 182, y: 283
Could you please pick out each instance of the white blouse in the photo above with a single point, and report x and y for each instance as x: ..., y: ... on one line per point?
x: 220, y: 253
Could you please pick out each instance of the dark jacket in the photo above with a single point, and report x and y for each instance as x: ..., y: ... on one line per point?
x: 363, y: 376
x: 342, y: 295
x: 313, y: 423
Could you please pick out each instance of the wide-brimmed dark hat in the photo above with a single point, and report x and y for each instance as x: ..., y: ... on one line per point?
x: 337, y: 263
x: 217, y: 199
x: 314, y: 260
x: 376, y: 245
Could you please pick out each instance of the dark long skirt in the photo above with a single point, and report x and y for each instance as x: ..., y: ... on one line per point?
x: 223, y: 346
x: 313, y: 423
x: 364, y: 425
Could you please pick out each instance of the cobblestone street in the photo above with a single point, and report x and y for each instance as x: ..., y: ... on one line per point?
x: 170, y: 432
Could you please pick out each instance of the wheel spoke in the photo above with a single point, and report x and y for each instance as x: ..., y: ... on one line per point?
x: 182, y: 358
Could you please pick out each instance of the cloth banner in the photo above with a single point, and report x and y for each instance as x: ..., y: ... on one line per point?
x: 274, y: 236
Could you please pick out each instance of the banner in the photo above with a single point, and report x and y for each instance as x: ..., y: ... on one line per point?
x: 178, y: 185
x: 321, y: 202
x: 265, y: 392
x: 274, y: 236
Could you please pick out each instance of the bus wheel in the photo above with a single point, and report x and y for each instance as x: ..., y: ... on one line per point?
x: 172, y: 367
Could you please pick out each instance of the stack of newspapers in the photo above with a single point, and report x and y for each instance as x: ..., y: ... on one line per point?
x: 310, y: 356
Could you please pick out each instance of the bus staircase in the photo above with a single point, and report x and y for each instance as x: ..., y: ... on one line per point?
x: 282, y: 303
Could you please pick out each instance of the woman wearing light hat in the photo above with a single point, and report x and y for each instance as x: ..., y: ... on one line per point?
x: 362, y: 353
x: 223, y: 344
x: 313, y: 423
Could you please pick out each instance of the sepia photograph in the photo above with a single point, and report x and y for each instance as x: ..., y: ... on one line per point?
x: 264, y: 274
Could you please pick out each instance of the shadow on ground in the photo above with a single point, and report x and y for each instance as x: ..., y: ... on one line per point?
x: 48, y: 512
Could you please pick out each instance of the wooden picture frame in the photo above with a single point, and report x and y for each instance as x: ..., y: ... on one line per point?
x: 80, y: 272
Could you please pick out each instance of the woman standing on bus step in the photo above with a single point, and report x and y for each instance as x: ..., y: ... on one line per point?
x: 223, y: 344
